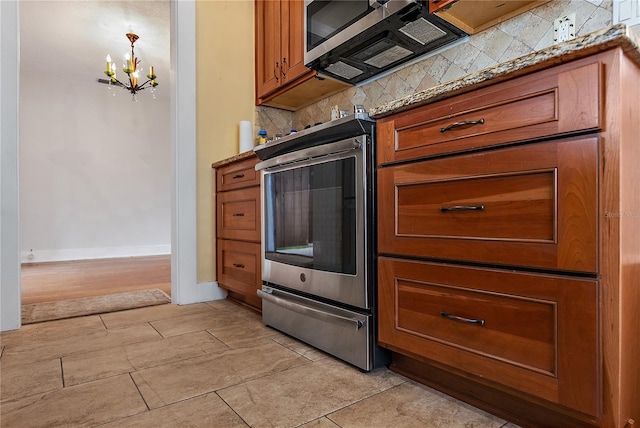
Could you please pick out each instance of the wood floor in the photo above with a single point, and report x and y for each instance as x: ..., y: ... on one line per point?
x: 55, y: 281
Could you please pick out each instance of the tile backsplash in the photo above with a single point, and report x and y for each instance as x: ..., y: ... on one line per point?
x: 520, y: 35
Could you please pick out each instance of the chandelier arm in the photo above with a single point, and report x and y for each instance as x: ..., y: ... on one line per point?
x: 117, y: 82
x: 141, y: 86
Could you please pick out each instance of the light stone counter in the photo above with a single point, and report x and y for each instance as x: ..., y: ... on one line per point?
x: 241, y: 156
x: 615, y: 36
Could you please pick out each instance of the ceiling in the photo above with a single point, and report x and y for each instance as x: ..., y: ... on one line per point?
x: 70, y: 39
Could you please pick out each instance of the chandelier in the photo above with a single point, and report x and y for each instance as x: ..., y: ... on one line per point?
x: 130, y: 68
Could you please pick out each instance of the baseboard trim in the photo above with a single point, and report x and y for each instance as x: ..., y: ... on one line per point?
x: 63, y: 255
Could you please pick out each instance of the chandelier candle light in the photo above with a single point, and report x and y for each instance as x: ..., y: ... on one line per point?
x: 130, y: 67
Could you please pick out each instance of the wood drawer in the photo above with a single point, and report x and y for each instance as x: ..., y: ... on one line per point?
x: 533, y: 205
x: 239, y: 268
x: 560, y: 100
x: 535, y: 333
x: 238, y: 214
x: 237, y: 175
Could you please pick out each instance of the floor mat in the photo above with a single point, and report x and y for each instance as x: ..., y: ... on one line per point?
x: 48, y: 311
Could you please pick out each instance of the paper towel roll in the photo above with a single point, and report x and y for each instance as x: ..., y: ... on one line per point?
x: 246, y: 136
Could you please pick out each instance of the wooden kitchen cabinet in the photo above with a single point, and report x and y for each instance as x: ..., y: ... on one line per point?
x: 531, y: 332
x: 473, y: 16
x: 282, y: 80
x: 509, y: 206
x: 279, y: 44
x: 238, y: 256
x: 509, y: 244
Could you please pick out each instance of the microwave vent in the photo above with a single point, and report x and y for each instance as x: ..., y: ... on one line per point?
x: 344, y: 70
x: 422, y: 31
x: 389, y: 56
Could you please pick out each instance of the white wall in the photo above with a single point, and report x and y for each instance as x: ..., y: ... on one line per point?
x: 95, y: 169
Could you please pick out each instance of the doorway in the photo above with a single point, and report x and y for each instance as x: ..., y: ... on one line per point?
x: 95, y: 167
x: 185, y: 288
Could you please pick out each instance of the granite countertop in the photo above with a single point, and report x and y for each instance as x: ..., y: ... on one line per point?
x: 615, y: 36
x: 232, y: 159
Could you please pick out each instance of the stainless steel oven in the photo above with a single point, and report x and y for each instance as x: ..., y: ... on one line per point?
x: 318, y: 241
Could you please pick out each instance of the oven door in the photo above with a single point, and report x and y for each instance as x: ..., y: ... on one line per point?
x: 313, y: 224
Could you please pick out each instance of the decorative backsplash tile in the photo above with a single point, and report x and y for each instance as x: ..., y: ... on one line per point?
x: 520, y: 35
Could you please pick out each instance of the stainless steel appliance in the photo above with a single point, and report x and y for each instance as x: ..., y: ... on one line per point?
x: 318, y: 244
x: 353, y: 40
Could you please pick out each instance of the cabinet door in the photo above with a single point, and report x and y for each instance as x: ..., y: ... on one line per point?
x: 238, y: 214
x: 268, y: 52
x: 237, y: 175
x: 292, y: 40
x: 534, y: 205
x: 239, y: 269
x: 559, y: 100
x: 534, y: 333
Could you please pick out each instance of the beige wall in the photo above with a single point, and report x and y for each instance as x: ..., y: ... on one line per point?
x: 225, y: 96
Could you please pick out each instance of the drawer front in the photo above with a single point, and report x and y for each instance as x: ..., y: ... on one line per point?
x: 533, y: 205
x: 238, y: 267
x: 558, y: 101
x: 535, y: 333
x: 238, y: 214
x: 237, y: 175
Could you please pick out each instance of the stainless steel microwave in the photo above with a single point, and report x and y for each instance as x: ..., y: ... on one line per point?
x: 354, y: 40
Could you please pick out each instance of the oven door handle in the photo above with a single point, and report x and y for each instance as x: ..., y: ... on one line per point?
x: 312, y: 312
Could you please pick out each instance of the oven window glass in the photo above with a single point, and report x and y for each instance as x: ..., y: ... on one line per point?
x: 327, y: 17
x: 310, y: 216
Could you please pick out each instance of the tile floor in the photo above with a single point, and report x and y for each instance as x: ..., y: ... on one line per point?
x: 204, y: 365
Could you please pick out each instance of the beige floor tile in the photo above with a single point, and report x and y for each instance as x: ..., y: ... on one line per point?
x: 89, y: 404
x: 52, y: 330
x: 303, y: 394
x: 244, y: 333
x: 299, y: 347
x: 184, y: 379
x: 21, y: 380
x: 85, y: 367
x: 266, y: 377
x: 195, y: 322
x: 226, y: 304
x: 29, y: 352
x: 206, y: 411
x: 151, y: 313
x: 411, y: 405
x: 321, y: 423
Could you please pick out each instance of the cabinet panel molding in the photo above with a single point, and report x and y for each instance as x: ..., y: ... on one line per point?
x: 533, y: 205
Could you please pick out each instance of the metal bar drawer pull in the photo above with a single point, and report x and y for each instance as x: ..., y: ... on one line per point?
x: 462, y: 208
x: 238, y: 176
x: 461, y: 124
x: 446, y: 314
x: 238, y: 265
x: 238, y: 214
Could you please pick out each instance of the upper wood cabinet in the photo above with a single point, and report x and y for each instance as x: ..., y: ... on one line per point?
x: 279, y: 39
x: 282, y: 80
x: 472, y: 16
